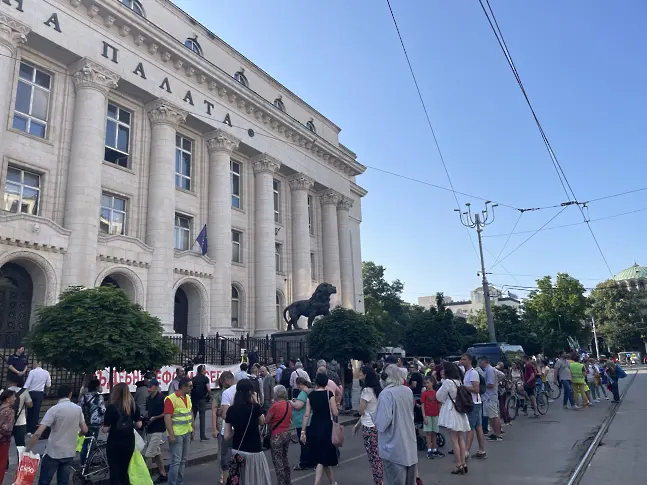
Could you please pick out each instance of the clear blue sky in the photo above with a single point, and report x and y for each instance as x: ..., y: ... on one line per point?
x: 582, y: 63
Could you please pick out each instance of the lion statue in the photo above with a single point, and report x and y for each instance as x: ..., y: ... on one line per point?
x: 318, y: 304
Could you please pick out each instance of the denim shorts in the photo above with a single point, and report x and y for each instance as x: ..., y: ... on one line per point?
x: 476, y: 416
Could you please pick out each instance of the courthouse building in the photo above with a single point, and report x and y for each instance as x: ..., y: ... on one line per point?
x: 128, y: 131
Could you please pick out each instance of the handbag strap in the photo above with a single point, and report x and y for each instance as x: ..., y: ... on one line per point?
x: 329, y: 406
x: 287, y: 405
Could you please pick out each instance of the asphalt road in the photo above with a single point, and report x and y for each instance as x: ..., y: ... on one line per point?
x: 541, y: 451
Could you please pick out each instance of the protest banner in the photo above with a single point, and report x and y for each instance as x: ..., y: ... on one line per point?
x: 164, y: 375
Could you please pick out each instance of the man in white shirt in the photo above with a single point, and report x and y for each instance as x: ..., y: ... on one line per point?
x: 298, y: 372
x: 38, y: 383
x: 471, y: 382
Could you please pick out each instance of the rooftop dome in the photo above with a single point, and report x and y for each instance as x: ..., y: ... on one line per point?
x: 631, y: 273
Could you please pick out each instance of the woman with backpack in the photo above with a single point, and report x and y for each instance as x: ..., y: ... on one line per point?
x: 456, y: 422
x: 121, y: 418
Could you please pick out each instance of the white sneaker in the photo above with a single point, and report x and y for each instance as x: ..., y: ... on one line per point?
x: 597, y: 400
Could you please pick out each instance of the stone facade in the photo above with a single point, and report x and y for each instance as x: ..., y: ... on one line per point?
x: 128, y: 129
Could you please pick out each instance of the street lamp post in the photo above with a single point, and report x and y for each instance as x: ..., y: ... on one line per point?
x: 478, y: 222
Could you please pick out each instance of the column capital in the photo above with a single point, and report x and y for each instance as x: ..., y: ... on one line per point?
x: 161, y: 111
x: 88, y: 74
x: 330, y: 196
x: 345, y: 204
x: 299, y: 181
x: 12, y: 32
x: 221, y: 141
x: 263, y: 163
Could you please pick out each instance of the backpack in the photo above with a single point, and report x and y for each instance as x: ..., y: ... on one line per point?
x: 285, y: 377
x: 89, y: 407
x: 463, y: 403
x: 124, y: 424
x: 17, y: 409
x: 198, y: 392
x: 482, y: 386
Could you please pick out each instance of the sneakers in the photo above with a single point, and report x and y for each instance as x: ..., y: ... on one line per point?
x: 481, y: 454
x: 607, y: 397
x: 494, y: 437
x: 438, y: 454
x: 430, y: 454
x: 161, y: 479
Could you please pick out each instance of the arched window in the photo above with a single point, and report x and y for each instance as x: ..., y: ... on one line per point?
x: 311, y: 126
x: 240, y: 77
x: 193, y: 45
x: 278, y: 102
x: 135, y: 6
x: 235, y: 308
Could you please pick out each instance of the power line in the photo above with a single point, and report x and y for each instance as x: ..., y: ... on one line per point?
x: 506, y: 241
x: 572, y: 224
x: 528, y: 238
x: 504, y: 47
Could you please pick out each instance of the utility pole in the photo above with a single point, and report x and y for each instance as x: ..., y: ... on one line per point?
x: 595, y: 336
x: 478, y: 222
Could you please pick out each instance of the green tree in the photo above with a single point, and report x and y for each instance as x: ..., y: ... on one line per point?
x: 432, y: 332
x: 620, y: 315
x: 383, y: 303
x: 98, y: 328
x: 510, y: 328
x: 555, y: 312
x: 345, y: 335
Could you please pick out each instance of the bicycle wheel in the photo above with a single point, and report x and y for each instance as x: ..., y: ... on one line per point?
x: 513, y: 406
x: 542, y: 403
x: 96, y: 470
x: 555, y: 392
x: 440, y: 440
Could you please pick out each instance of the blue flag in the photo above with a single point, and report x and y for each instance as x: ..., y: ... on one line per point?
x: 202, y: 240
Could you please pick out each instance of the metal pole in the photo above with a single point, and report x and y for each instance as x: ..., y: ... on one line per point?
x: 595, y: 336
x: 486, y: 286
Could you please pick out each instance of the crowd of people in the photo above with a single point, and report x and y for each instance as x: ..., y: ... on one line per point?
x: 402, y: 407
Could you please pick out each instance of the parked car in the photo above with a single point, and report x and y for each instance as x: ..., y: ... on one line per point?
x: 497, y: 352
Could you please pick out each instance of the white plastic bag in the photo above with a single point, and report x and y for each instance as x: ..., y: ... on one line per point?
x: 140, y: 444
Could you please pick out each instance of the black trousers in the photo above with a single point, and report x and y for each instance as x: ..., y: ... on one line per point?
x: 200, y: 406
x: 119, y: 455
x: 33, y: 413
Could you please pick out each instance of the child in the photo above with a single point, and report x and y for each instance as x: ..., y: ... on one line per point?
x: 430, y: 412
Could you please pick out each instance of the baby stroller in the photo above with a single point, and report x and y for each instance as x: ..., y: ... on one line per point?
x: 421, y: 440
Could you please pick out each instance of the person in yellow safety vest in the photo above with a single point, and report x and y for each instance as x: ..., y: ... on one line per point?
x: 244, y: 358
x: 178, y: 417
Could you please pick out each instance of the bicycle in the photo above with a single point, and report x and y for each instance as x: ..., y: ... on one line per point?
x: 516, y: 401
x: 95, y: 469
x: 554, y: 390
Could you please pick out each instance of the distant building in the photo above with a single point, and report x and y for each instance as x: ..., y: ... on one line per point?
x: 465, y: 308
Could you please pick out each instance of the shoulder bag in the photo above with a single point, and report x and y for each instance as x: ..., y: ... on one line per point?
x: 237, y: 460
x: 337, y: 429
x: 267, y: 439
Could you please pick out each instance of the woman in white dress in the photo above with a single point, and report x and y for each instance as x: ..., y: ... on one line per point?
x: 457, y: 423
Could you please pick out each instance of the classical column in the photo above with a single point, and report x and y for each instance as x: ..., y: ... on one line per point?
x: 345, y: 254
x: 92, y: 83
x: 301, y: 272
x: 165, y: 118
x: 220, y: 145
x: 12, y: 34
x: 264, y: 239
x: 330, y: 239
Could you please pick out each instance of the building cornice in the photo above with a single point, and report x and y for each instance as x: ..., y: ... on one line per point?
x: 154, y: 42
x: 358, y: 190
x: 107, y: 239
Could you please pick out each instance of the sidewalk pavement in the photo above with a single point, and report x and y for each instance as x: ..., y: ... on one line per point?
x: 618, y: 458
x: 200, y: 452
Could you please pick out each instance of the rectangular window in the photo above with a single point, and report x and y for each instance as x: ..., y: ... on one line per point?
x: 313, y: 266
x: 236, y: 242
x: 311, y: 218
x: 22, y: 191
x: 32, y: 100
x: 235, y: 184
x: 278, y: 256
x: 183, y: 156
x: 113, y: 214
x: 277, y: 200
x: 182, y: 232
x: 117, y: 136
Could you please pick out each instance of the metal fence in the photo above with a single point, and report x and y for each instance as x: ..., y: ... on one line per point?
x: 215, y: 350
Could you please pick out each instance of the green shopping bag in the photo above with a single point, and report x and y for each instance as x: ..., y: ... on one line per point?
x: 138, y: 473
